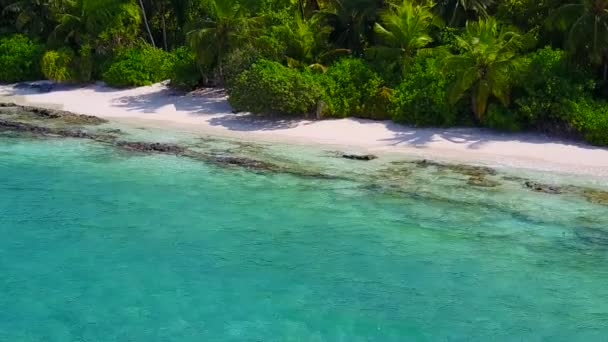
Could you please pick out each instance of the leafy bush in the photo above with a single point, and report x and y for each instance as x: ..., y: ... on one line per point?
x: 58, y: 65
x: 139, y: 66
x: 545, y: 86
x: 185, y: 73
x: 501, y: 118
x: 421, y: 98
x: 380, y: 103
x: 269, y: 87
x: 590, y: 119
x: 238, y: 61
x: 351, y: 88
x: 19, y: 58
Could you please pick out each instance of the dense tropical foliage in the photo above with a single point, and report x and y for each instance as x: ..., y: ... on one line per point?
x: 510, y: 64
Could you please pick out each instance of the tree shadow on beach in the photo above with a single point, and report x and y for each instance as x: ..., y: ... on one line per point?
x: 247, y: 122
x: 472, y: 137
x: 210, y: 102
x: 205, y: 102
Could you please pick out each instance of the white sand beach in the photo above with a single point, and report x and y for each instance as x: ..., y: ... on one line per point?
x: 209, y: 112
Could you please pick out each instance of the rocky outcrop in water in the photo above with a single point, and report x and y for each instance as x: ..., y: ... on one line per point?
x: 183, y: 151
x: 596, y: 196
x: 244, y: 162
x: 55, y: 123
x: 26, y: 113
x: 482, y: 182
x: 362, y: 157
x: 151, y: 147
x: 478, y: 176
x: 467, y: 170
x: 540, y: 187
x: 49, y: 131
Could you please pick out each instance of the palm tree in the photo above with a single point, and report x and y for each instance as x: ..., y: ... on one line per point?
x: 97, y: 25
x: 487, y: 64
x: 302, y: 41
x: 586, y: 27
x: 220, y: 33
x: 81, y: 20
x: 404, y: 28
x: 351, y: 22
x: 456, y: 10
x: 145, y: 16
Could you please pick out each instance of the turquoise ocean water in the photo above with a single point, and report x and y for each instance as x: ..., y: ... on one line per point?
x: 102, y: 245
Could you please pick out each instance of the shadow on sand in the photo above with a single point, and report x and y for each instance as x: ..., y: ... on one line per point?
x: 204, y: 102
x: 472, y: 137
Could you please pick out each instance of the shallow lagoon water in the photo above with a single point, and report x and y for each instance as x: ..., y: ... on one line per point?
x: 104, y: 245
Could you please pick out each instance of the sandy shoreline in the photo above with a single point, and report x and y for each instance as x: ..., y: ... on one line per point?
x: 208, y: 112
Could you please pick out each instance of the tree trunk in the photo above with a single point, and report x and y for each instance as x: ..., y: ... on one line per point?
x: 162, y: 18
x: 220, y: 69
x: 474, y: 106
x: 143, y: 11
x: 454, y: 13
x: 302, y: 4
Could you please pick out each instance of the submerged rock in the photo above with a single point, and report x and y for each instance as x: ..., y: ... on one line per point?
x: 111, y: 131
x: 362, y: 157
x: 540, y: 187
x: 245, y: 162
x: 16, y: 119
x: 482, y: 182
x: 513, y: 178
x: 596, y: 196
x: 22, y: 127
x: 467, y: 170
x: 152, y: 147
x: 30, y: 112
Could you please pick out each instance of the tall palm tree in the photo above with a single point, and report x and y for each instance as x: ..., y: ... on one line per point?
x: 81, y: 22
x: 219, y: 33
x: 454, y: 11
x: 486, y: 66
x: 404, y: 28
x: 586, y: 25
x: 303, y: 38
x: 145, y: 16
x: 351, y: 22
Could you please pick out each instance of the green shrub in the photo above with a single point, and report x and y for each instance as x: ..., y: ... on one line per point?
x: 185, y: 73
x: 379, y: 104
x: 58, y: 65
x: 501, y: 118
x: 139, y: 66
x: 421, y: 98
x: 351, y: 88
x: 546, y: 85
x: 238, y: 61
x: 590, y: 119
x: 19, y: 57
x: 269, y: 87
